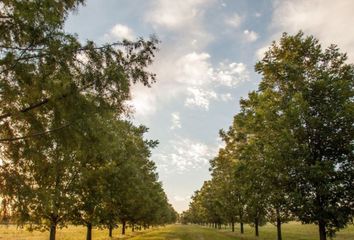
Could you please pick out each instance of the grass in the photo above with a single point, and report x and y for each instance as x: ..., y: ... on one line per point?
x: 71, y: 233
x: 184, y: 232
x: 291, y: 231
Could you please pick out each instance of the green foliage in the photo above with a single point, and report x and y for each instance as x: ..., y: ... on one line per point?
x: 67, y: 155
x: 292, y: 142
x: 315, y: 90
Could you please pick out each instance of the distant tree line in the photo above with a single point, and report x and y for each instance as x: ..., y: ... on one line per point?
x: 289, y: 152
x: 69, y: 154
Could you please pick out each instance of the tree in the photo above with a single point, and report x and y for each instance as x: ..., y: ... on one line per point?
x: 223, y: 170
x: 264, y: 142
x: 293, y: 139
x: 53, y: 90
x: 40, y: 187
x: 95, y: 151
x: 42, y: 68
x: 315, y: 91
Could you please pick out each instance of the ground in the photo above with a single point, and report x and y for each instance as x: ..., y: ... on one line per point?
x: 291, y: 231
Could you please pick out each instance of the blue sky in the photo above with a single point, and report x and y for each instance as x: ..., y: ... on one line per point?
x: 205, y: 65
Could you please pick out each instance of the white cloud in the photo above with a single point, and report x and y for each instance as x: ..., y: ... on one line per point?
x: 176, y: 14
x: 184, y: 21
x: 200, y: 98
x: 119, y: 32
x: 261, y: 51
x: 258, y: 14
x: 143, y: 101
x: 194, y: 69
x: 328, y: 20
x: 183, y: 68
x: 230, y: 74
x: 234, y: 21
x: 250, y: 36
x: 226, y: 97
x: 176, y: 120
x: 190, y: 76
x: 178, y: 198
x: 186, y: 155
x: 201, y: 79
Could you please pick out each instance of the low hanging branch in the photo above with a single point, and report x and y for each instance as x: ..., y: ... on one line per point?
x: 46, y: 100
x: 43, y: 102
x: 11, y: 139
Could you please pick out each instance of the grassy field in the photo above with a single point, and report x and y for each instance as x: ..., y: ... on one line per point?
x: 291, y: 231
x: 70, y: 233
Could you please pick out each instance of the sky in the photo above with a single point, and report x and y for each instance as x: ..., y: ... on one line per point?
x: 205, y: 64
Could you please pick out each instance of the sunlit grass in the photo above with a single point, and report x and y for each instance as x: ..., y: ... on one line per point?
x: 291, y: 231
x: 70, y: 233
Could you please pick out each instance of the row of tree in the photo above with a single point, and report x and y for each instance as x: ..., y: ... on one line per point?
x: 289, y: 152
x: 69, y: 154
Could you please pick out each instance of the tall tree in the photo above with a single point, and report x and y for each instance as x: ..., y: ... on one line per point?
x: 42, y: 67
x: 315, y: 89
x: 52, y: 88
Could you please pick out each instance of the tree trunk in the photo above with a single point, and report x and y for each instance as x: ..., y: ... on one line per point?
x: 241, y: 221
x: 53, y: 229
x: 322, y: 230
x: 110, y: 229
x: 133, y: 228
x: 89, y: 231
x: 256, y: 227
x: 279, y: 228
x: 123, y: 227
x: 233, y: 226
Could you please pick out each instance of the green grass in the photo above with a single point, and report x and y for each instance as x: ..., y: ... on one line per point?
x: 291, y: 231
x: 71, y: 233
x: 184, y: 232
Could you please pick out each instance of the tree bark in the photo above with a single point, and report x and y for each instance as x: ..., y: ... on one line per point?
x: 123, y: 227
x: 279, y: 228
x: 241, y: 221
x: 53, y: 229
x: 89, y: 231
x: 110, y: 229
x: 322, y: 230
x: 256, y: 227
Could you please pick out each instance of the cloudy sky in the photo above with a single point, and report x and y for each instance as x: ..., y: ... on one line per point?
x: 204, y: 66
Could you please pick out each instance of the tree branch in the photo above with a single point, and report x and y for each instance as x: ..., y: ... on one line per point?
x: 33, y: 135
x: 41, y: 102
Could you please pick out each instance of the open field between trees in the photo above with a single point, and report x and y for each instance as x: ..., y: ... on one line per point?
x: 70, y: 233
x: 291, y: 231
